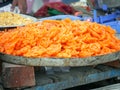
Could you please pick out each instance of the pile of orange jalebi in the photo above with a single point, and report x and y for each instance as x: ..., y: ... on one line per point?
x: 59, y: 38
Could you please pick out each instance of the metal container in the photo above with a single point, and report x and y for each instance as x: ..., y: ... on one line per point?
x: 94, y: 60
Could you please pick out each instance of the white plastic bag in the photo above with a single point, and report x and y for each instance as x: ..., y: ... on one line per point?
x: 7, y: 8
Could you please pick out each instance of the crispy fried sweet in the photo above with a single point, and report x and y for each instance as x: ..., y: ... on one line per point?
x: 59, y: 38
x: 9, y: 19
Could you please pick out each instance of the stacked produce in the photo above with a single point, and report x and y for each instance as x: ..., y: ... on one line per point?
x: 59, y: 38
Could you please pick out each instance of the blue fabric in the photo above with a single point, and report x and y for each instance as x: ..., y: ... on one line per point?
x: 69, y: 1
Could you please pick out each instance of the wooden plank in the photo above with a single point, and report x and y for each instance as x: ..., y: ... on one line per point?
x: 17, y: 76
x: 109, y: 87
x: 1, y: 87
x: 115, y: 64
x: 0, y: 67
x: 76, y: 77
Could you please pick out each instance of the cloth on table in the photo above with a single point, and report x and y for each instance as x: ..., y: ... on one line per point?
x: 54, y: 8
